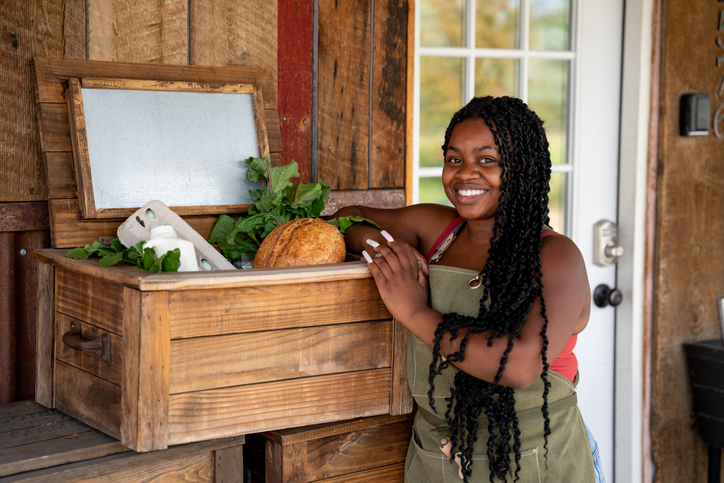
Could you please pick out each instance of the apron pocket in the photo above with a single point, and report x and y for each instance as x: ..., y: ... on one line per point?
x: 434, y: 467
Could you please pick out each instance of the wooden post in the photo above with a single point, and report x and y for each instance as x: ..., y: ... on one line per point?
x: 147, y: 346
x: 45, y: 342
x: 401, y: 401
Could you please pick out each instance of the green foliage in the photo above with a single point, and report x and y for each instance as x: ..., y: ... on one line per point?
x: 278, y: 202
x: 136, y: 256
x: 345, y: 222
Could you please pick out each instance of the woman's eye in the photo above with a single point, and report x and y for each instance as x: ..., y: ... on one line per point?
x: 452, y: 160
x: 486, y: 160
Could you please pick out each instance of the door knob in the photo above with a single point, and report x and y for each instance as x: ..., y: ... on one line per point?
x: 604, y: 295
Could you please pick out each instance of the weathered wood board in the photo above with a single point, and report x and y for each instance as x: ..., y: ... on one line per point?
x: 52, y: 28
x: 364, y: 110
x: 360, y: 450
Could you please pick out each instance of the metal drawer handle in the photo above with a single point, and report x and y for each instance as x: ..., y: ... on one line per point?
x: 100, y: 346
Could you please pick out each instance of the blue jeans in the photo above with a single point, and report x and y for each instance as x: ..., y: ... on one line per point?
x: 596, y: 458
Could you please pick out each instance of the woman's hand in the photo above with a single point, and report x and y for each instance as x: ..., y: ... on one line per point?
x: 400, y: 273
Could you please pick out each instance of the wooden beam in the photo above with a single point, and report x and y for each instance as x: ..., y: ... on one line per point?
x: 296, y: 33
x: 24, y: 216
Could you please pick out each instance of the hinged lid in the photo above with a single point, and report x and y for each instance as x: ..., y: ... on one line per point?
x: 98, y: 122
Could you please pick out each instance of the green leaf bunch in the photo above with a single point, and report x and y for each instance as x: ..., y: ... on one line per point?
x: 136, y: 255
x: 278, y: 202
x: 345, y: 222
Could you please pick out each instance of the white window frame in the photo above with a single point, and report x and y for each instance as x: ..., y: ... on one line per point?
x: 469, y: 54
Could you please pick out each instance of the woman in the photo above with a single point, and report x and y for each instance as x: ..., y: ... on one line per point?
x: 490, y: 359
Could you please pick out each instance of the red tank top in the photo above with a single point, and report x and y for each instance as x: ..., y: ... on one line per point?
x: 566, y: 363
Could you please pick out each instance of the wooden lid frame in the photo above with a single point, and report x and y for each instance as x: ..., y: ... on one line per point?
x: 72, y: 221
x: 79, y: 139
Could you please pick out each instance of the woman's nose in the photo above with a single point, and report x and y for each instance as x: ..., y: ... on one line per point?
x: 468, y: 171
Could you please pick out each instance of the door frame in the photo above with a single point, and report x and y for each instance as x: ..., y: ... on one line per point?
x: 632, y: 363
x: 632, y: 377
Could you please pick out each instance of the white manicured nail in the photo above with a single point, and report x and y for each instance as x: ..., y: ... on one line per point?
x: 387, y: 236
x: 367, y: 256
x: 372, y: 243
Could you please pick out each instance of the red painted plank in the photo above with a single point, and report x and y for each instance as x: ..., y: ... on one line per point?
x: 296, y: 34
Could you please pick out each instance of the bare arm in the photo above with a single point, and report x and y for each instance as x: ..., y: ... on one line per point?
x: 417, y: 225
x: 565, y: 291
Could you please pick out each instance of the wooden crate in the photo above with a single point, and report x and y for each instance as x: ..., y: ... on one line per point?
x: 38, y: 444
x: 202, y: 355
x: 368, y: 450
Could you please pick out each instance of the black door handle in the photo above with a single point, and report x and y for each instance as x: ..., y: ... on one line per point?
x: 604, y: 295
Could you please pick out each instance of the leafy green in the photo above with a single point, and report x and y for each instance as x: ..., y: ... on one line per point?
x: 345, y: 222
x: 137, y: 256
x: 278, y: 202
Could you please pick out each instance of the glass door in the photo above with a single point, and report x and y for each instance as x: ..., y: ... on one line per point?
x: 562, y: 57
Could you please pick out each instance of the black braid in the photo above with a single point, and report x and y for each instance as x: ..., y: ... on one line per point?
x: 512, y: 281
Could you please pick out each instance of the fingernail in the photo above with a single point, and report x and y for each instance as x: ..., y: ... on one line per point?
x: 387, y: 236
x: 367, y: 256
x: 372, y: 243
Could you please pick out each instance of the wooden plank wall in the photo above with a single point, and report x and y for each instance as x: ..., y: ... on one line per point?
x: 362, y: 101
x: 689, y: 266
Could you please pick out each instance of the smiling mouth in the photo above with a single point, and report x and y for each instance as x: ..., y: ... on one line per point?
x: 471, y: 192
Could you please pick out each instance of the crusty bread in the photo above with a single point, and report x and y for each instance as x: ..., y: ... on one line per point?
x: 304, y: 241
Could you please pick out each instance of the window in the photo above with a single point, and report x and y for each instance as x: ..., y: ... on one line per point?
x: 467, y: 48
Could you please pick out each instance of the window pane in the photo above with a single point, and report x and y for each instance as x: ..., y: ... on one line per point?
x: 431, y: 191
x: 441, y: 94
x: 496, y: 77
x: 557, y: 202
x: 548, y: 97
x: 496, y: 24
x: 550, y: 24
x: 442, y: 23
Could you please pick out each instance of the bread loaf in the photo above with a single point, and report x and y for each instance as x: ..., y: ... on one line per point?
x: 304, y: 241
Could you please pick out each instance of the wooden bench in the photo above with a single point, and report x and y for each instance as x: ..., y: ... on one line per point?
x: 38, y: 444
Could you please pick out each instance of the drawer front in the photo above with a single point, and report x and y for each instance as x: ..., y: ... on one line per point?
x: 243, y: 359
x: 70, y: 330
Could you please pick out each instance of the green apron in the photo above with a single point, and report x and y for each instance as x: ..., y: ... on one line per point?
x: 569, y: 452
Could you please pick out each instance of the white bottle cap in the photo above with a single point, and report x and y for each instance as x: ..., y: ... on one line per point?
x: 162, y: 230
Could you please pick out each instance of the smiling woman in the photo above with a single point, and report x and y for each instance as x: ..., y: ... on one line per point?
x: 471, y: 174
x: 488, y: 338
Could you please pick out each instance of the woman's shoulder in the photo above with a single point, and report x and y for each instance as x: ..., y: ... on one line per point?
x: 431, y: 219
x: 422, y: 224
x: 560, y: 256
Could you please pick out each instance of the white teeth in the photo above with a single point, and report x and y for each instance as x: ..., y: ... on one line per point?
x: 471, y: 192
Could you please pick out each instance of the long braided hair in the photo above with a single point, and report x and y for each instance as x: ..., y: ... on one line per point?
x: 511, y: 280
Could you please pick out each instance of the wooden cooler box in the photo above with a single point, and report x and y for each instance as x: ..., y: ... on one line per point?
x: 174, y: 358
x: 38, y: 444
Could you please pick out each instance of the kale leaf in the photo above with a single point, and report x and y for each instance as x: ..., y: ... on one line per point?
x: 137, y: 256
x: 278, y: 202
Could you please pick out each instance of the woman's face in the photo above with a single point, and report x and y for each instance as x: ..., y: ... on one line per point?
x: 471, y: 175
